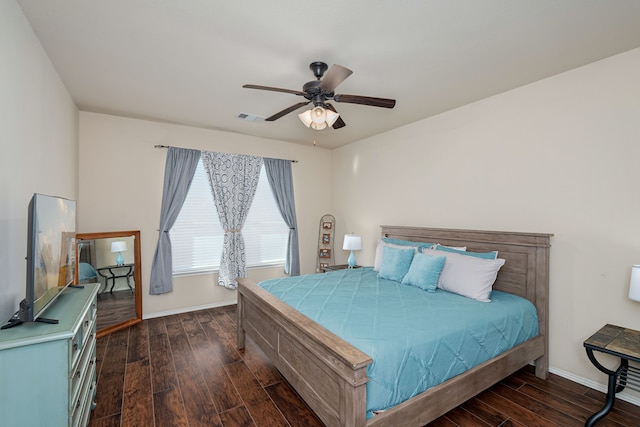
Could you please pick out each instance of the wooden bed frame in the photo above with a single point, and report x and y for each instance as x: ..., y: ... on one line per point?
x: 330, y: 374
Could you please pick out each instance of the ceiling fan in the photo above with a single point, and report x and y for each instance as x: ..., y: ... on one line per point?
x: 320, y: 91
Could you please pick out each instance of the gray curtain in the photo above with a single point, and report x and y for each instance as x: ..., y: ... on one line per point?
x: 233, y: 179
x: 281, y: 182
x: 178, y: 174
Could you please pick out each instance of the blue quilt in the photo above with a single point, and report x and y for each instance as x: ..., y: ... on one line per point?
x: 416, y: 339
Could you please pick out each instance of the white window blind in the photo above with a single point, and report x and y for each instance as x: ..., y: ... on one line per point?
x: 197, y: 236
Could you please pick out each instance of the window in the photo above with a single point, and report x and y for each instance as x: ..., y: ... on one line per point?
x: 197, y: 236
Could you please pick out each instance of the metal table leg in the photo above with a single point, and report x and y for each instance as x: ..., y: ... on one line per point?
x: 612, y: 388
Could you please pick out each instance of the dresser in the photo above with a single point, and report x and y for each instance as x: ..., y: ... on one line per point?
x: 48, y: 371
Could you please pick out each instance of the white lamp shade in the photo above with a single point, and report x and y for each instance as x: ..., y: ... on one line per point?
x: 352, y: 242
x: 305, y: 118
x: 331, y: 117
x: 119, y: 246
x: 634, y: 283
x: 319, y: 126
x: 318, y: 115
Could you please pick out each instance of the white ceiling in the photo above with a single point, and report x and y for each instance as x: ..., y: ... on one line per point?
x: 185, y: 61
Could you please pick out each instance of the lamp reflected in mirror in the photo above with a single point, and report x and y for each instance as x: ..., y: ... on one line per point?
x: 106, y: 258
x: 119, y: 247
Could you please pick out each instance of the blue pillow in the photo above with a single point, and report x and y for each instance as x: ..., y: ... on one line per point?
x: 483, y: 255
x: 424, y: 271
x: 395, y: 263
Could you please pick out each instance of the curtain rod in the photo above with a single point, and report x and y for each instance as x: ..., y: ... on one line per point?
x: 169, y: 146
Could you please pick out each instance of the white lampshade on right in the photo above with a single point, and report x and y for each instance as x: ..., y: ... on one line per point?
x: 634, y: 283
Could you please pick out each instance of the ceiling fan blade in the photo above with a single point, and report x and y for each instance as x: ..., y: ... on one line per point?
x: 366, y: 100
x: 274, y: 89
x: 286, y: 111
x: 336, y: 75
x: 339, y: 122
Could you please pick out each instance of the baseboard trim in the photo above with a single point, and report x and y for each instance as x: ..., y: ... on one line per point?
x: 188, y: 309
x: 594, y: 385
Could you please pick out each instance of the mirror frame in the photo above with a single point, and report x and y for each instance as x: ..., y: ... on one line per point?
x: 137, y: 276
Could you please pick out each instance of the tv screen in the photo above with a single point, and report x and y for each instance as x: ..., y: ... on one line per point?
x: 51, y: 250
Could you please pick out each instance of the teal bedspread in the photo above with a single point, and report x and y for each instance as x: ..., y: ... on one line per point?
x: 416, y: 339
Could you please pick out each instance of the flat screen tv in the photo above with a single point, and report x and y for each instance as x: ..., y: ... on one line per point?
x: 51, y: 249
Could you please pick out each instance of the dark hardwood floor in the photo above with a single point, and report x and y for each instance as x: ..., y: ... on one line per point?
x: 116, y: 307
x: 184, y: 370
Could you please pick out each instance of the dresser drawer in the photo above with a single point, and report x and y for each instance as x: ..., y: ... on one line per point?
x: 82, y: 369
x: 84, y: 402
x: 85, y: 330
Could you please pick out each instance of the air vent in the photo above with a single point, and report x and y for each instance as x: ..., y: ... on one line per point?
x: 249, y: 117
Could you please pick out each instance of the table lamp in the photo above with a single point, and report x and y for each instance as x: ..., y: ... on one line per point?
x: 634, y: 283
x: 352, y: 242
x: 119, y: 246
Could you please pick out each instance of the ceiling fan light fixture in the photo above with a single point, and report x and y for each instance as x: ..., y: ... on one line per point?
x: 332, y: 116
x: 305, y: 118
x: 318, y: 115
x: 318, y: 118
x: 319, y: 126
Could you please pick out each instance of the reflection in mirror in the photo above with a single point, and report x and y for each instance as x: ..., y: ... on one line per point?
x: 112, y: 259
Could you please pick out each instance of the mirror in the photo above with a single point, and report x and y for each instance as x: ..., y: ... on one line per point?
x: 112, y: 259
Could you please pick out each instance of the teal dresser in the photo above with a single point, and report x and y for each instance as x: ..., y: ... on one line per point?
x: 48, y: 371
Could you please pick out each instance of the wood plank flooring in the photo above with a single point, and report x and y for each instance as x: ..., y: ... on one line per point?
x: 116, y: 307
x: 185, y: 370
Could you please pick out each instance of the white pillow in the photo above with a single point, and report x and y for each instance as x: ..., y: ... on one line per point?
x: 381, y: 244
x: 466, y: 275
x: 457, y: 248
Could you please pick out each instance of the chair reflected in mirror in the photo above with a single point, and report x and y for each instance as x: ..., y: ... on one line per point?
x: 86, y: 273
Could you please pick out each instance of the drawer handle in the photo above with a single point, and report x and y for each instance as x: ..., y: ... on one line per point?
x: 75, y: 346
x: 86, y: 323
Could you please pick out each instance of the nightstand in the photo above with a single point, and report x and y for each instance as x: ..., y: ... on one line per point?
x: 337, y: 267
x: 625, y: 344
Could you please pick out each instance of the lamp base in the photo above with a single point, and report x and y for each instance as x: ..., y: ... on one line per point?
x: 352, y: 260
x: 119, y: 260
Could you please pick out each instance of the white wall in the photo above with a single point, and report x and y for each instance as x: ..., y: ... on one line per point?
x: 557, y: 156
x: 38, y: 142
x: 120, y: 188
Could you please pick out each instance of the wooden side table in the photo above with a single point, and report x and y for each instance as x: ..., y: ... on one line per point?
x: 625, y: 344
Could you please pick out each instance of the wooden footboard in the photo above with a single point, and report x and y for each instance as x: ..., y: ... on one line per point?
x: 438, y: 400
x: 330, y: 374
